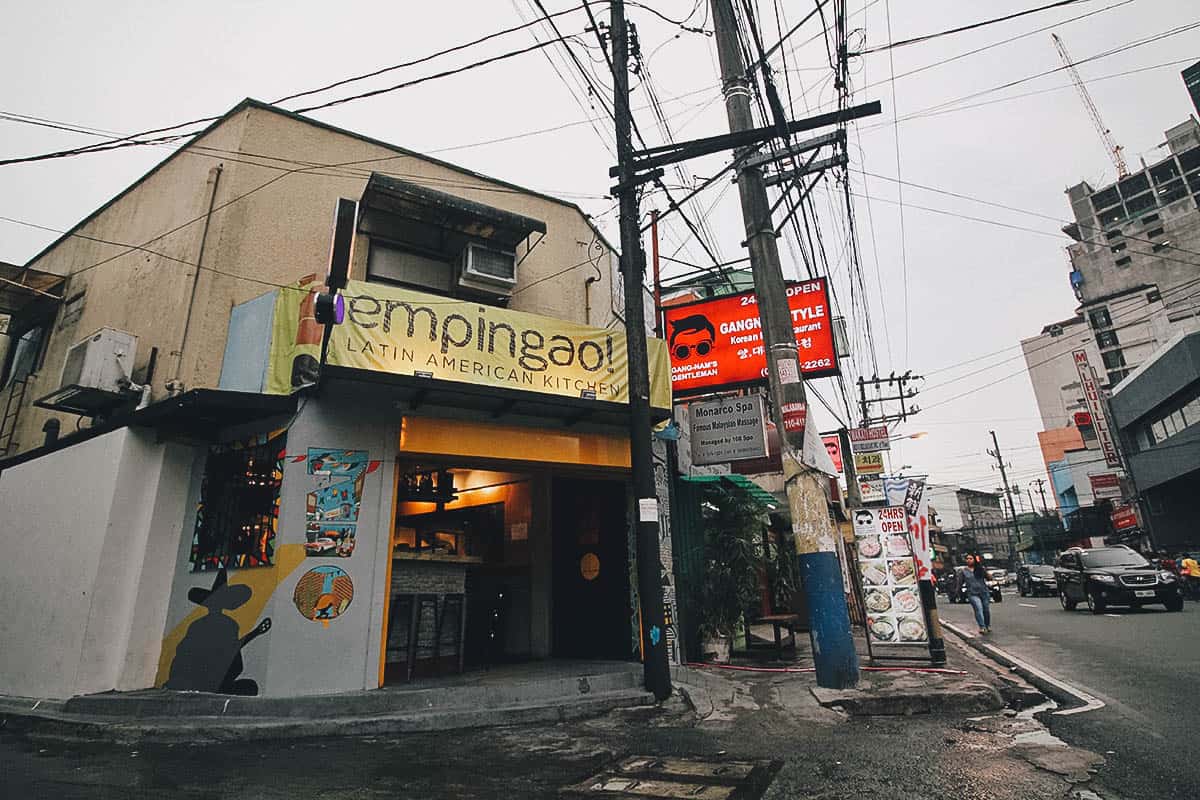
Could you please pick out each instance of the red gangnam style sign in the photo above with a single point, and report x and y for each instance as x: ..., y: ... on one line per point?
x: 718, y: 343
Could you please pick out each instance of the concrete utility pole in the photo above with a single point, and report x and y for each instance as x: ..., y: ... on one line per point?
x: 820, y: 570
x: 655, y: 666
x: 1013, y: 533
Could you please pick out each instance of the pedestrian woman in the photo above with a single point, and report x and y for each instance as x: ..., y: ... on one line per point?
x: 978, y: 594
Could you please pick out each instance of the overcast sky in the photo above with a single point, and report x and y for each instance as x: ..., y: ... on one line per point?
x: 974, y: 287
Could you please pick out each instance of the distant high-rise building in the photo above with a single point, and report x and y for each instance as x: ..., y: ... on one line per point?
x: 1191, y: 79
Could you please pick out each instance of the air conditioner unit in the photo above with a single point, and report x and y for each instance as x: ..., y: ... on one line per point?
x: 487, y: 269
x: 96, y: 374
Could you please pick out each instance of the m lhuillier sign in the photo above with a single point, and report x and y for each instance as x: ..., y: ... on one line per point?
x: 388, y: 329
x: 729, y: 429
x: 1091, y: 394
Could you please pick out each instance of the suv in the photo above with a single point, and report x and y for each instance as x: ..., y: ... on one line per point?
x: 1035, y: 579
x: 1104, y: 576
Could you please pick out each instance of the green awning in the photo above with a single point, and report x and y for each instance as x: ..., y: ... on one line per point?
x: 742, y: 484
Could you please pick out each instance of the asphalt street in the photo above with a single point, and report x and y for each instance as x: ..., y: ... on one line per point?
x: 1143, y: 664
x: 804, y: 751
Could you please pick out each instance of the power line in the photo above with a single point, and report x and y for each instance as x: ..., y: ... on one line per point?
x: 962, y: 28
x: 136, y: 140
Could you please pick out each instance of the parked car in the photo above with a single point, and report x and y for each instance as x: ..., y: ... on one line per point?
x: 1107, y: 576
x: 1035, y: 580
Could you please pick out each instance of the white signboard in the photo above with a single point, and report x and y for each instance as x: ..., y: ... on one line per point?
x: 729, y: 429
x: 870, y: 490
x: 1091, y: 393
x: 889, y: 576
x: 869, y: 440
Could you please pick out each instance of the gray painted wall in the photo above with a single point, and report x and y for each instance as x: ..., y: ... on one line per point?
x: 85, y: 599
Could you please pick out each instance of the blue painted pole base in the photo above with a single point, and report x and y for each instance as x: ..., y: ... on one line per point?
x: 829, y: 621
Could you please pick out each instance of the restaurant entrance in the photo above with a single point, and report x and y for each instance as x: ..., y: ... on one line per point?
x: 591, y: 606
x: 504, y: 563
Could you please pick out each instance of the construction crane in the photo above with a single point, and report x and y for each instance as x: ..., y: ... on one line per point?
x: 1114, y: 149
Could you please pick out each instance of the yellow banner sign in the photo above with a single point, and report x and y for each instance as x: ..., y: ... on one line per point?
x: 388, y: 329
x: 868, y: 463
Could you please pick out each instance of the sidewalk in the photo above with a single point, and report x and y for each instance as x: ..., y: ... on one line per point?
x: 966, y: 684
x: 547, y: 692
x: 551, y: 691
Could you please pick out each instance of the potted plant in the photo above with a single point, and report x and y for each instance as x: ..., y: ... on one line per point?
x: 733, y: 526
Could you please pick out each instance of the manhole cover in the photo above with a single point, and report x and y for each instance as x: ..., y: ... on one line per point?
x: 674, y: 777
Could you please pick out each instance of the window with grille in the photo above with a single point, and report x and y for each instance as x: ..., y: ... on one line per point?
x: 238, y: 514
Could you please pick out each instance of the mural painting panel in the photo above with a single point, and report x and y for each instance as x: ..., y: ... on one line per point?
x: 331, y: 510
x: 323, y: 594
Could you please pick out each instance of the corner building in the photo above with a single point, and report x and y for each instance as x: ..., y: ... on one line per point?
x: 449, y: 491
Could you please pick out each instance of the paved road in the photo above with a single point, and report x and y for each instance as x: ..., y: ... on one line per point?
x: 818, y: 754
x: 1145, y: 665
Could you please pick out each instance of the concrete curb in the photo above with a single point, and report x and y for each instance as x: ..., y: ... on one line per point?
x: 61, y: 727
x: 969, y: 699
x: 1075, y: 699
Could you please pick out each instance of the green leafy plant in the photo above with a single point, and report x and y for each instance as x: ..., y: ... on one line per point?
x: 732, y: 557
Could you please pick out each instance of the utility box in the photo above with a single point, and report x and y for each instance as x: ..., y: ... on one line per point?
x: 96, y: 374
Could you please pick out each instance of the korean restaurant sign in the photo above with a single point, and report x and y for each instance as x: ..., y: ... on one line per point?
x: 402, y: 332
x: 1091, y: 394
x: 869, y: 440
x: 718, y: 343
x: 895, y: 617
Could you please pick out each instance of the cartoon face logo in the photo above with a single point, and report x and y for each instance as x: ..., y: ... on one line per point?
x: 863, y: 518
x: 690, y: 336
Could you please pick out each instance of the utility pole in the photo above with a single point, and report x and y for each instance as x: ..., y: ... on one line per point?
x: 655, y: 667
x: 1013, y: 533
x: 820, y: 570
x: 1042, y: 491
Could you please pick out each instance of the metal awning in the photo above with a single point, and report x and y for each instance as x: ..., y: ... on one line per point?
x: 20, y: 286
x: 742, y: 485
x: 429, y: 207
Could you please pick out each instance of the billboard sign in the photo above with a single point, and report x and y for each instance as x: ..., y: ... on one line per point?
x: 1091, y: 393
x: 889, y: 578
x: 868, y: 463
x: 870, y: 490
x: 718, y: 343
x: 1106, y: 486
x: 728, y: 429
x: 1124, y: 518
x: 869, y: 440
x: 833, y: 446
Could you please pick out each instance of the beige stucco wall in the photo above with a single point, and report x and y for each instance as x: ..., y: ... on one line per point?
x: 270, y: 225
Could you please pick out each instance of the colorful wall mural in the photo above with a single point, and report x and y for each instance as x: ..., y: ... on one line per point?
x: 209, y: 659
x: 323, y: 594
x: 331, y: 510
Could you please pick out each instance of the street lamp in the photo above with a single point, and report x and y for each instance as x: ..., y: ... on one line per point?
x: 916, y: 435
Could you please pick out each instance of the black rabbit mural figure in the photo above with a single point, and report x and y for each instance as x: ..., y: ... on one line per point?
x: 209, y: 659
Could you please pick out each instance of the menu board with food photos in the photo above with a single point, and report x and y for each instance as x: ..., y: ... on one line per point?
x: 895, y: 617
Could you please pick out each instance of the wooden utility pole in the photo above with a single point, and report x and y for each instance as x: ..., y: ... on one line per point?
x: 655, y: 664
x: 833, y: 645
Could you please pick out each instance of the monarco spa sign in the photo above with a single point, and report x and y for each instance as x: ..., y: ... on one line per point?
x: 394, y: 330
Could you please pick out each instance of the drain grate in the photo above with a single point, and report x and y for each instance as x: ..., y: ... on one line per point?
x: 674, y: 777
